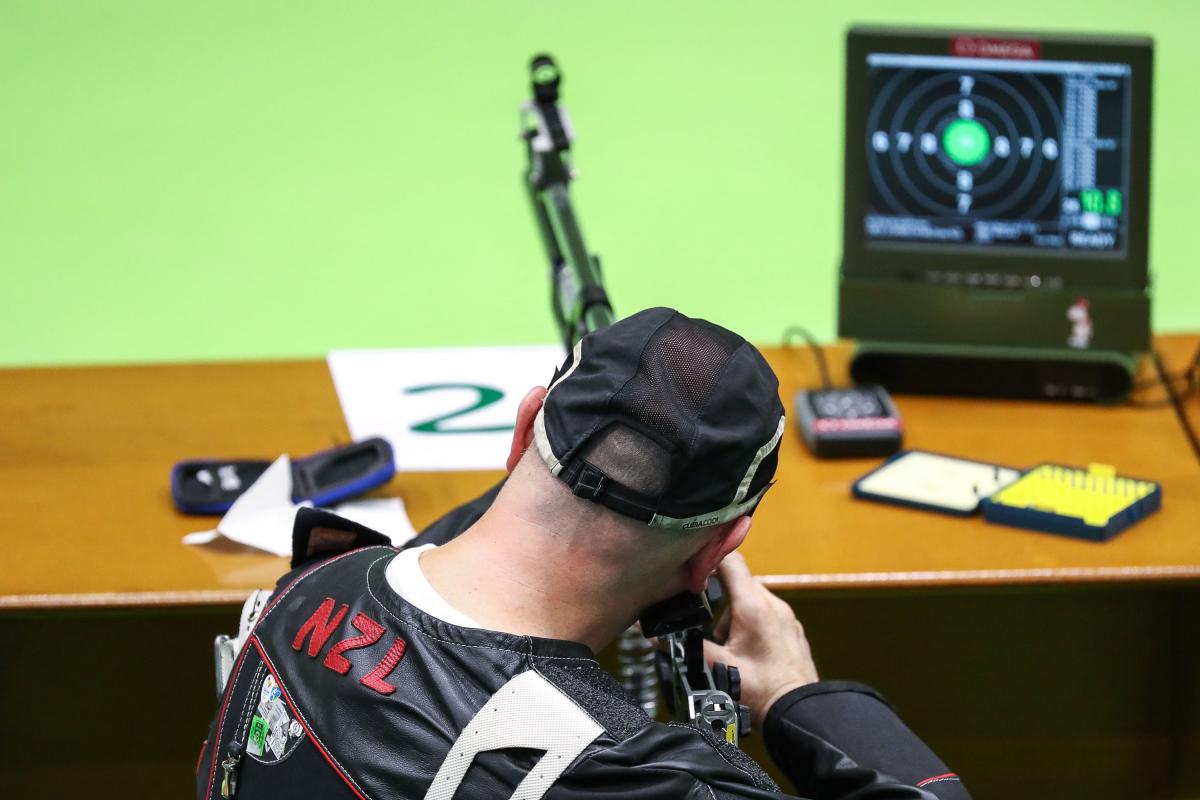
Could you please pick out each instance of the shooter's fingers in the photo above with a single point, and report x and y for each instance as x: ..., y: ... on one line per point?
x: 714, y: 652
x: 736, y: 578
x: 721, y: 627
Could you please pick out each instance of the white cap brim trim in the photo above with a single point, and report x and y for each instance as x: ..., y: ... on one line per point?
x: 540, y: 439
x: 740, y: 505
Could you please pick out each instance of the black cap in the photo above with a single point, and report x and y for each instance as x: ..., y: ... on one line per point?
x: 701, y: 392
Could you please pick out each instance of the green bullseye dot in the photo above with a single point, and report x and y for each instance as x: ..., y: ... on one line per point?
x: 966, y: 142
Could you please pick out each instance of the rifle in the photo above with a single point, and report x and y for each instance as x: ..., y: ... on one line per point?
x: 577, y: 296
x: 694, y: 693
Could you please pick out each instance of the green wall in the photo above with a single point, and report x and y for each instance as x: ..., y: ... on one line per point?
x: 213, y: 180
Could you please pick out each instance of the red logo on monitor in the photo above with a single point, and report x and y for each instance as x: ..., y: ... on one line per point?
x: 983, y: 47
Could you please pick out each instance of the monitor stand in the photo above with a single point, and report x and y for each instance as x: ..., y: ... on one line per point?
x: 971, y: 371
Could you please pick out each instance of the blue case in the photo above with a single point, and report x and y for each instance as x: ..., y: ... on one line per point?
x: 210, y: 486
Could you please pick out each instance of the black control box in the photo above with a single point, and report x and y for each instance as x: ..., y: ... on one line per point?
x: 854, y: 422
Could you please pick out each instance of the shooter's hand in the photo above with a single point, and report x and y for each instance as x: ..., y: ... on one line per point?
x: 762, y: 638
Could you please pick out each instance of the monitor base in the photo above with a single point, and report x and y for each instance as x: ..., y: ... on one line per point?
x: 1025, y: 373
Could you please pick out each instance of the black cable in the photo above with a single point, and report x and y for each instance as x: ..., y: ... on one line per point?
x: 1177, y: 400
x: 796, y: 330
x: 1166, y: 381
x: 1190, y: 376
x: 1193, y: 373
x: 1193, y: 389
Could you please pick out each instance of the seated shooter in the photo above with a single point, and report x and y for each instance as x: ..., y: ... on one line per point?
x: 466, y: 670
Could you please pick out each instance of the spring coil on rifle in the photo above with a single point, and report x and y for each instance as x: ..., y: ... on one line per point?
x: 636, y: 669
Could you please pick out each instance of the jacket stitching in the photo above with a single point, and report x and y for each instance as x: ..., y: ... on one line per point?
x: 237, y: 670
x: 699, y: 780
x: 277, y: 600
x: 408, y: 623
x: 244, y: 717
x: 311, y: 729
x: 286, y: 756
x: 575, y: 702
x: 713, y: 747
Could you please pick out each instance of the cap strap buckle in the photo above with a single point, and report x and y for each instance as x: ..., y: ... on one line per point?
x: 590, y: 483
x: 593, y: 484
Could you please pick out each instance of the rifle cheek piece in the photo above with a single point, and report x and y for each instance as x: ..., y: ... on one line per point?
x: 676, y: 614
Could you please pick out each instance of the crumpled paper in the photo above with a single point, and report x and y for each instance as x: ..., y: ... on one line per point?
x: 263, y: 516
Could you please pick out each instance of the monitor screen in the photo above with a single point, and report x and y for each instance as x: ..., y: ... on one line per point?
x: 997, y: 153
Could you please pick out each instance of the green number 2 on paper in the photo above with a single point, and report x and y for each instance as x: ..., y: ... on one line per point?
x: 486, y: 396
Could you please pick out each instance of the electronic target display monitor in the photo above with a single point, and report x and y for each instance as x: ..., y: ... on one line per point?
x: 997, y: 152
x: 1018, y: 161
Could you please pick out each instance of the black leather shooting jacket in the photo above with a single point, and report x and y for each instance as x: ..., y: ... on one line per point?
x: 344, y: 690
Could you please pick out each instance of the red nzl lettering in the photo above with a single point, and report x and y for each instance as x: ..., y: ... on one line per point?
x: 372, y: 632
x: 376, y: 678
x: 319, y: 627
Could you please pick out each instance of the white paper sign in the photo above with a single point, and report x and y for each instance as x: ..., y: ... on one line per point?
x: 448, y: 408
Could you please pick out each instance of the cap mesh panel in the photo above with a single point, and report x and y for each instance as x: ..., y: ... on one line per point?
x: 678, y: 369
x: 630, y: 458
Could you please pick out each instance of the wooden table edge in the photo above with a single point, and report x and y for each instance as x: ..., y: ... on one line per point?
x: 840, y: 580
x: 102, y: 600
x: 981, y: 577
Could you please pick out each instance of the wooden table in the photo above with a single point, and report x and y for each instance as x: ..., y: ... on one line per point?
x: 813, y: 534
x: 1031, y: 663
x: 85, y: 456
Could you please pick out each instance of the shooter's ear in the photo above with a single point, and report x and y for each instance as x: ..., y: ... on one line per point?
x: 722, y: 541
x: 527, y: 412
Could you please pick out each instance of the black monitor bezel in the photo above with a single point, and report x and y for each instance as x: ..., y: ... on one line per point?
x: 861, y: 259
